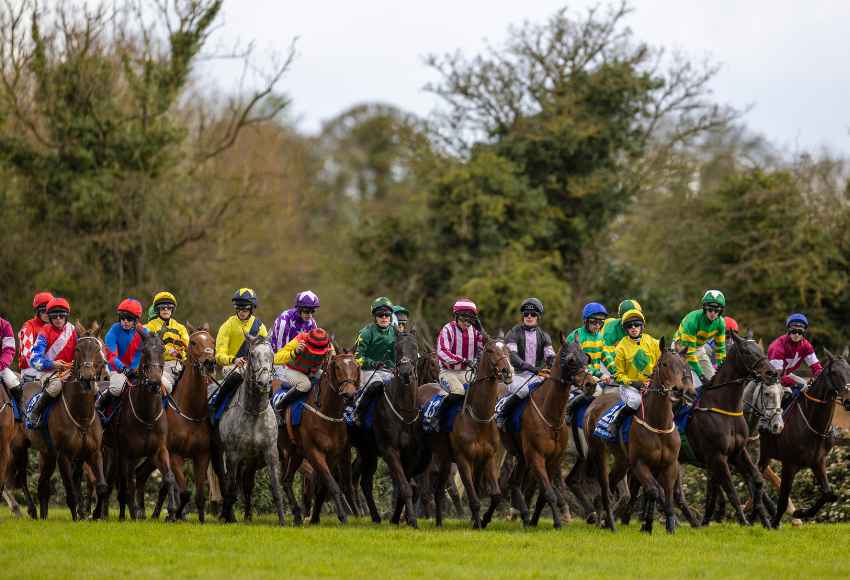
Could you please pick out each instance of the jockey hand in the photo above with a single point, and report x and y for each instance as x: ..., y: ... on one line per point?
x: 300, y: 347
x: 61, y: 365
x: 545, y: 373
x: 239, y: 362
x: 846, y: 403
x: 637, y: 385
x: 702, y: 379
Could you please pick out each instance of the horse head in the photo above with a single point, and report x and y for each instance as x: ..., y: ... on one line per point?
x: 672, y: 375
x: 834, y: 379
x: 89, y: 360
x: 573, y: 361
x: 201, y: 347
x: 153, y: 359
x: 749, y: 360
x: 344, y: 374
x: 260, y: 362
x: 406, y: 356
x: 496, y: 360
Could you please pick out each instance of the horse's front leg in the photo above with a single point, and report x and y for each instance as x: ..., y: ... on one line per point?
x: 724, y: 476
x: 249, y: 477
x: 66, y: 470
x: 464, y: 468
x: 182, y: 487
x: 200, y: 464
x: 405, y: 492
x: 827, y: 495
x: 368, y: 465
x: 319, y: 462
x: 754, y: 480
x: 669, y: 481
x: 788, y: 473
x: 162, y: 460
x: 46, y: 468
x: 291, y: 465
x: 143, y: 472
x: 273, y: 463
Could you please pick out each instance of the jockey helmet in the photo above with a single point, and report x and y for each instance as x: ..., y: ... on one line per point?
x: 797, y: 318
x: 244, y: 297
x: 714, y: 297
x: 58, y: 306
x: 318, y: 342
x: 130, y: 306
x: 464, y: 305
x: 164, y: 298
x: 626, y: 305
x: 307, y: 299
x: 41, y: 299
x: 382, y: 304
x: 531, y: 305
x: 731, y: 323
x: 398, y: 309
x: 633, y: 314
x: 593, y: 309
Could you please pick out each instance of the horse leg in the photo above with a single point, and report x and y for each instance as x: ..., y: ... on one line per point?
x: 771, y: 477
x: 438, y: 482
x: 751, y: 474
x: 681, y: 502
x: 290, y: 469
x: 199, y: 467
x: 321, y: 493
x: 231, y: 483
x: 506, y: 485
x: 273, y: 463
x: 538, y: 464
x: 46, y: 469
x: 405, y: 493
x: 319, y: 463
x: 573, y: 482
x: 182, y: 487
x: 788, y: 473
x: 721, y: 465
x: 162, y: 460
x: 143, y: 473
x: 827, y: 495
x: 711, y: 489
x: 669, y: 480
x: 464, y: 468
x: 368, y: 466
x: 66, y: 470
x: 651, y: 495
x: 454, y: 493
x: 249, y: 477
x: 634, y: 492
x: 491, y: 486
x: 600, y: 462
x: 77, y: 482
x: 127, y: 489
x: 346, y: 481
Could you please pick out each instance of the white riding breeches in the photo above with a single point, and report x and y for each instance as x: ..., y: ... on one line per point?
x: 295, y: 379
x: 522, y: 383
x: 630, y: 396
x: 117, y: 382
x: 170, y: 372
x: 9, y: 378
x: 452, y: 381
x: 53, y: 386
x: 375, y: 376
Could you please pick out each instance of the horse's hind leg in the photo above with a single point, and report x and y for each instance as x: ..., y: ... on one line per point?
x: 711, y: 490
x: 438, y: 481
x: 681, y: 502
x: 162, y: 460
x: 574, y: 483
x: 827, y: 495
x: 48, y: 465
x: 199, y: 467
x: 755, y: 483
x: 184, y: 493
x: 788, y: 473
x: 321, y: 494
x: 368, y: 466
x: 249, y: 477
x: 273, y: 463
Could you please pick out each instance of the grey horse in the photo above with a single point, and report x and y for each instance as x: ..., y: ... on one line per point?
x: 763, y: 407
x: 248, y: 432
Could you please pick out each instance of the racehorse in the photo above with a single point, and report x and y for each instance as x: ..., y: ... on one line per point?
x: 322, y: 436
x: 189, y: 429
x: 71, y: 433
x: 394, y: 434
x: 652, y: 451
x: 248, y: 433
x: 807, y: 437
x: 717, y: 431
x: 540, y: 445
x: 473, y: 442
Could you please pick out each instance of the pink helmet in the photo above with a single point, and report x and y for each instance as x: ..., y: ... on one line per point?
x: 464, y: 305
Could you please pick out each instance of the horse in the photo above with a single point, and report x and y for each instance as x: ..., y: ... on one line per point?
x: 540, y: 445
x: 717, y: 431
x: 248, y: 433
x: 394, y: 434
x: 807, y: 437
x: 652, y: 451
x: 139, y: 430
x: 189, y: 429
x: 322, y: 436
x: 72, y: 434
x: 473, y: 444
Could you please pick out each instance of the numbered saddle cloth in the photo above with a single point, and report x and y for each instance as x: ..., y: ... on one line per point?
x: 44, y: 415
x: 447, y: 415
x: 603, y: 425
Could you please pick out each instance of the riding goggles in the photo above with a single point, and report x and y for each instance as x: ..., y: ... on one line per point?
x: 633, y: 324
x: 713, y: 308
x: 307, y: 310
x: 54, y: 315
x: 126, y: 317
x: 797, y: 331
x: 531, y: 313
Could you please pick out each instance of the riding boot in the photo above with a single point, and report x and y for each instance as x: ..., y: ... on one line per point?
x: 17, y: 394
x: 228, y: 386
x: 40, y: 406
x: 286, y: 399
x: 448, y: 401
x: 106, y: 398
x: 506, y: 408
x: 362, y: 402
x: 576, y: 402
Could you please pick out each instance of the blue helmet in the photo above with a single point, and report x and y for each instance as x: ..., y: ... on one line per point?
x: 592, y: 309
x: 798, y: 318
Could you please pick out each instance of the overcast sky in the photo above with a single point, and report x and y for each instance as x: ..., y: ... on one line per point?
x: 789, y: 59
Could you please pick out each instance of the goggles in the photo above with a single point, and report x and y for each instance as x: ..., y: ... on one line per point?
x: 633, y: 324
x: 124, y: 317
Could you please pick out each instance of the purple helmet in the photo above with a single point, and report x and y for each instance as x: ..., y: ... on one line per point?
x: 307, y: 299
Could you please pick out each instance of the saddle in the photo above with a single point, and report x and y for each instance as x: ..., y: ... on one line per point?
x: 605, y: 422
x: 513, y: 424
x: 45, y: 415
x: 295, y: 408
x: 447, y: 415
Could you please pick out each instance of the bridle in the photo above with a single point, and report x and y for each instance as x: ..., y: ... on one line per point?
x: 331, y: 368
x: 78, y: 365
x: 658, y: 387
x: 204, y: 370
x: 750, y: 371
x: 832, y: 392
x: 505, y: 374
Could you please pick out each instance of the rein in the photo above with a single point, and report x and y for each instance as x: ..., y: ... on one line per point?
x: 832, y: 390
x: 751, y: 375
x: 330, y: 369
x: 467, y: 408
x: 148, y: 425
x: 82, y: 428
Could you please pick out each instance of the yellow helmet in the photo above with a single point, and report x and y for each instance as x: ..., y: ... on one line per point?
x: 632, y: 314
x: 164, y: 298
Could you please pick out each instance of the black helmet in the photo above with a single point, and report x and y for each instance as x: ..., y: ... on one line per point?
x: 532, y: 305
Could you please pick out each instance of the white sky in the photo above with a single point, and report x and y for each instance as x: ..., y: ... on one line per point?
x: 787, y: 58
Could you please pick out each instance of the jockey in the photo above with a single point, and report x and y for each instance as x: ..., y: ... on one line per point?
x: 612, y: 332
x: 634, y: 361
x: 401, y: 318
x: 53, y: 353
x: 29, y: 331
x: 700, y: 326
x: 301, y: 358
x: 296, y: 320
x: 459, y: 344
x: 590, y: 337
x: 230, y: 345
x: 7, y: 356
x: 123, y: 344
x: 790, y: 350
x: 375, y: 352
x: 531, y: 354
x: 175, y: 337
x: 710, y: 346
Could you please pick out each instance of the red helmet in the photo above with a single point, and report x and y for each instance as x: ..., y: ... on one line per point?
x: 464, y: 305
x: 58, y: 306
x: 731, y: 323
x: 131, y: 306
x: 318, y: 341
x: 41, y: 299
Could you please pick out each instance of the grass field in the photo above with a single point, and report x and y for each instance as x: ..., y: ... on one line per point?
x: 61, y: 548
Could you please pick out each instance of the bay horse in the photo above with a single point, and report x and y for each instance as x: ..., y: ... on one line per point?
x: 807, y: 437
x: 248, y: 433
x: 189, y: 428
x: 72, y: 434
x: 717, y: 430
x: 394, y: 434
x: 541, y: 444
x: 322, y: 436
x: 139, y: 429
x: 473, y: 443
x: 652, y: 451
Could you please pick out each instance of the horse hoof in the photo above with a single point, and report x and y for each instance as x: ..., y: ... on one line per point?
x: 376, y: 520
x: 591, y: 518
x: 796, y: 522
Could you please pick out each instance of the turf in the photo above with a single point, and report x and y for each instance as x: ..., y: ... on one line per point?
x: 61, y: 548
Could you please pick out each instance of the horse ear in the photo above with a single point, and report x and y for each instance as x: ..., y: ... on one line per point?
x: 846, y: 352
x: 78, y: 326
x: 749, y: 334
x: 662, y: 344
x: 829, y: 355
x: 95, y: 328
x: 189, y: 327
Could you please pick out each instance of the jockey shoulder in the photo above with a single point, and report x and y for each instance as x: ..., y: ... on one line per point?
x: 376, y: 345
x: 701, y: 326
x: 7, y: 344
x: 175, y: 337
x: 460, y: 341
x: 637, y: 352
x: 231, y: 336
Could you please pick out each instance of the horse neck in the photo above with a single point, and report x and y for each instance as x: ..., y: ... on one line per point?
x: 147, y: 404
x: 819, y: 415
x: 191, y: 391
x: 330, y: 401
x: 402, y: 396
x: 253, y: 400
x: 481, y: 395
x: 79, y: 403
x: 657, y: 409
x: 731, y: 395
x: 555, y: 392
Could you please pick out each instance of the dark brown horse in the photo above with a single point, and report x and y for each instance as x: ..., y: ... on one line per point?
x: 807, y: 437
x: 73, y: 433
x: 541, y: 444
x: 473, y: 443
x: 189, y: 429
x: 652, y: 452
x: 139, y: 430
x: 322, y: 436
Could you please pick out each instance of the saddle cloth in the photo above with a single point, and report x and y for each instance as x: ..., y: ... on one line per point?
x: 603, y: 425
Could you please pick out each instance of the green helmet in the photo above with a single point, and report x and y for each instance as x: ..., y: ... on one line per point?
x: 398, y: 309
x: 626, y: 305
x: 713, y: 297
x: 381, y: 303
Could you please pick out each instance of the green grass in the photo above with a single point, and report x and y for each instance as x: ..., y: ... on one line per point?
x: 60, y: 548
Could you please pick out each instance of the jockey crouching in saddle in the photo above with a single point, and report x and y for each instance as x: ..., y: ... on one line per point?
x: 301, y: 362
x: 375, y: 353
x: 590, y: 338
x: 613, y: 333
x: 123, y: 344
x: 787, y: 352
x: 175, y: 337
x: 231, y: 348
x: 294, y: 321
x: 459, y: 344
x: 697, y: 328
x: 52, y: 354
x: 532, y: 356
x: 7, y: 355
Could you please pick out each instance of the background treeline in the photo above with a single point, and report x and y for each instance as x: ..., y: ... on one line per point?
x: 574, y: 162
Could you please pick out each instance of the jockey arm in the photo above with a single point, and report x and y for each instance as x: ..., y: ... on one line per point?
x: 9, y: 349
x: 39, y: 359
x: 287, y: 353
